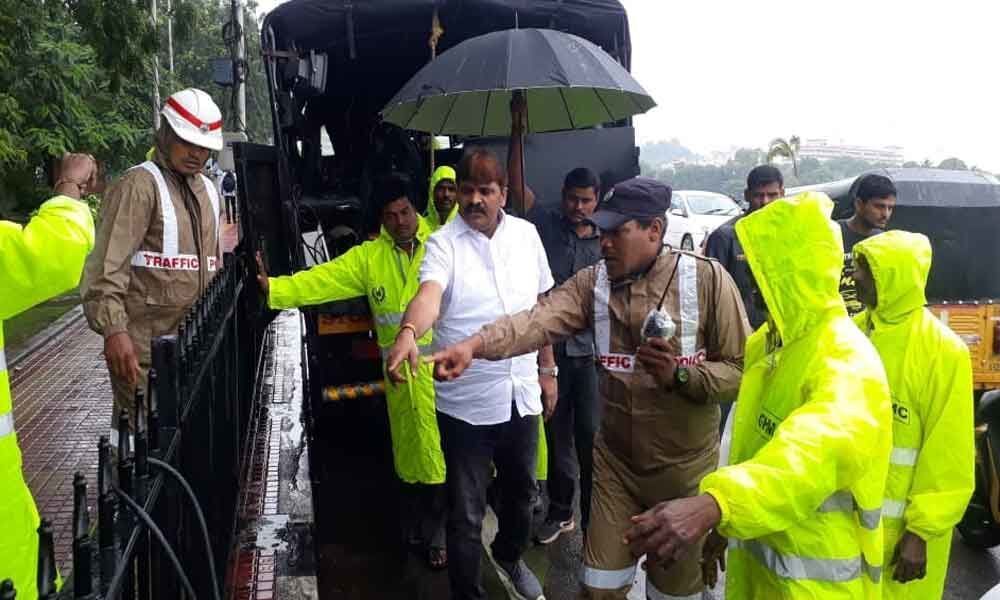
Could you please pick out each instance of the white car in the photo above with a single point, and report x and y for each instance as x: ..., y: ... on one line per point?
x: 693, y: 215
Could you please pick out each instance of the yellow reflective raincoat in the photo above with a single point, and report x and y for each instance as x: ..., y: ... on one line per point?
x: 389, y: 277
x: 37, y: 262
x: 812, y: 431
x: 932, y: 465
x: 433, y: 218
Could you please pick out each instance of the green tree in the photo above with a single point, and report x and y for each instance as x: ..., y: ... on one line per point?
x: 54, y: 98
x: 730, y: 178
x: 786, y: 149
x: 120, y: 32
x: 200, y: 40
x: 75, y: 75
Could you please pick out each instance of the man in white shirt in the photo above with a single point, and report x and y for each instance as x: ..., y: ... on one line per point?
x: 477, y: 269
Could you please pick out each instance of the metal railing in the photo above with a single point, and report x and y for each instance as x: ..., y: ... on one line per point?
x: 168, y: 496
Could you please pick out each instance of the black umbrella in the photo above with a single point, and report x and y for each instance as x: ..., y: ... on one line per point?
x: 569, y: 83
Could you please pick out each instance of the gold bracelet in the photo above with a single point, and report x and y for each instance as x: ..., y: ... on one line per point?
x: 410, y: 327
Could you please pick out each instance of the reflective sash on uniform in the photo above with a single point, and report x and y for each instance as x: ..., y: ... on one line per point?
x: 170, y: 259
x: 687, y: 280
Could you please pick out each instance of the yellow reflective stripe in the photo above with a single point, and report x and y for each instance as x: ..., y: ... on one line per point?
x: 790, y: 566
x: 904, y: 457
x: 604, y: 579
x: 843, y: 501
x: 6, y: 424
x: 893, y: 508
x: 654, y: 594
x: 388, y: 319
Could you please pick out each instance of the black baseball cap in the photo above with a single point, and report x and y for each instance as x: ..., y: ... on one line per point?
x: 640, y: 198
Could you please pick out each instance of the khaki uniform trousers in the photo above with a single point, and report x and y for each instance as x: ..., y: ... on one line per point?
x: 619, y: 494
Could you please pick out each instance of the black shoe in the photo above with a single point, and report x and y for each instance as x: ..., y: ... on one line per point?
x: 552, y: 529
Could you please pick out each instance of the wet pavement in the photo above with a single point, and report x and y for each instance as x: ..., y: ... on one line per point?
x: 62, y: 405
x: 275, y: 557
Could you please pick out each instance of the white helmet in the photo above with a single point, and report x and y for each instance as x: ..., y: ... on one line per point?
x: 195, y: 118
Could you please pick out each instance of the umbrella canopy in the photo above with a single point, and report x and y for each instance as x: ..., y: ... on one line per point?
x: 569, y: 83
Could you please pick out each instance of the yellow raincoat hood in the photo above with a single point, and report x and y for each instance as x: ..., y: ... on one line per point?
x: 932, y: 469
x: 433, y: 218
x: 900, y: 262
x: 801, y: 498
x: 797, y: 271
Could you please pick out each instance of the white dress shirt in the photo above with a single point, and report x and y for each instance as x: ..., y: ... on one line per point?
x: 484, y: 279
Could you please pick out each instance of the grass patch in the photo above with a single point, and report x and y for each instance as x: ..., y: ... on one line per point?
x: 19, y: 329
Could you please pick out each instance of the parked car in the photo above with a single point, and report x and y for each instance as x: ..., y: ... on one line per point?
x: 694, y: 214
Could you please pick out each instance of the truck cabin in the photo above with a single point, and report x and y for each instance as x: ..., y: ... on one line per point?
x: 331, y: 66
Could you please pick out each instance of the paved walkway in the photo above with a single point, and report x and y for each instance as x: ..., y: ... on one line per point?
x: 62, y: 405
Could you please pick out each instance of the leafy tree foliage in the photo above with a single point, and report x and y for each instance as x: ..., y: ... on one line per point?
x: 54, y: 98
x: 780, y: 147
x: 202, y: 38
x: 75, y: 75
x: 730, y: 178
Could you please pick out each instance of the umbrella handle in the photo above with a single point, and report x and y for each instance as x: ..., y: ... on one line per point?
x: 519, y: 95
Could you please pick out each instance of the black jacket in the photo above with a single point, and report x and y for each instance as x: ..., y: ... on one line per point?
x: 723, y: 246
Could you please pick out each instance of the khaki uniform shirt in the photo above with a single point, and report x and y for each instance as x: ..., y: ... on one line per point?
x: 645, y: 424
x: 153, y: 256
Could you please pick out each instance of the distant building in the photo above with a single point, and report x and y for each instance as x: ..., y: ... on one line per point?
x: 823, y: 149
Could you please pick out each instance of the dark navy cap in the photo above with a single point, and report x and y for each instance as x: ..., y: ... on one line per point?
x: 637, y: 198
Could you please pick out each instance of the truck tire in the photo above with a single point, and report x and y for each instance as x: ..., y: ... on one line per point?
x: 978, y: 529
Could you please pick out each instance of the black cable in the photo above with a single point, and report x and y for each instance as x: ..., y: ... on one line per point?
x: 148, y: 521
x: 198, y: 512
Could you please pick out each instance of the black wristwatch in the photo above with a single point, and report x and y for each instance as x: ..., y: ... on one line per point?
x: 681, y: 376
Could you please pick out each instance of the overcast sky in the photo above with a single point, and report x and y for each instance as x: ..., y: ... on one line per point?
x: 920, y: 74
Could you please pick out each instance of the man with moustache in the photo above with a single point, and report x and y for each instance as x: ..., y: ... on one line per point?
x: 478, y: 268
x: 669, y: 329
